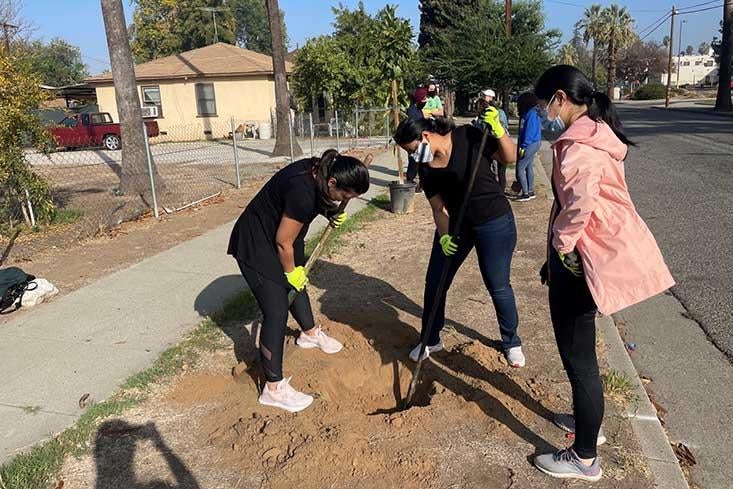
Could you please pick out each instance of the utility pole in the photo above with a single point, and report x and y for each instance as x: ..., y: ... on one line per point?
x: 679, y: 54
x: 723, y: 101
x: 508, y: 8
x: 669, y: 64
x: 508, y: 15
x: 6, y: 34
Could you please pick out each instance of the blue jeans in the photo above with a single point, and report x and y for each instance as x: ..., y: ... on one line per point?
x: 525, y: 167
x: 494, y: 241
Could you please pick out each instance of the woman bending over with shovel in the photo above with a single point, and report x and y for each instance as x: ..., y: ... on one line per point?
x: 601, y: 255
x: 447, y: 156
x: 268, y: 242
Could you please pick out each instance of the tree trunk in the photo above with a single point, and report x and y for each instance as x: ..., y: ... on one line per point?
x: 723, y: 101
x: 134, y: 176
x: 611, y: 67
x: 282, y: 132
x: 594, y: 58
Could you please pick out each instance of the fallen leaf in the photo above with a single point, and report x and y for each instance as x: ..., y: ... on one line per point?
x: 83, y: 400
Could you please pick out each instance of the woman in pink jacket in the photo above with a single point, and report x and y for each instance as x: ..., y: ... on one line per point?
x: 601, y: 255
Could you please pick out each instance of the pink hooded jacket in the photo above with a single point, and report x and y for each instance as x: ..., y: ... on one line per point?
x: 621, y: 259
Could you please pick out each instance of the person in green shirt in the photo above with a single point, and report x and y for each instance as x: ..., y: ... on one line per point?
x: 433, y: 106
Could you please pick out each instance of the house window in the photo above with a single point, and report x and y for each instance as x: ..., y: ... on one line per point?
x: 698, y: 63
x: 709, y: 63
x: 205, y: 99
x: 685, y: 63
x: 151, y: 98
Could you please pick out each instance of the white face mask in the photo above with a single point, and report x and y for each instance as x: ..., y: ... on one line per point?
x: 423, y: 154
x: 556, y: 123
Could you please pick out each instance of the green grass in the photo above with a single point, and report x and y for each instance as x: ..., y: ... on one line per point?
x: 711, y: 103
x: 617, y: 384
x: 37, y: 468
x: 66, y: 216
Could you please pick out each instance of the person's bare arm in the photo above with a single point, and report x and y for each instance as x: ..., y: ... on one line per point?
x: 287, y: 232
x: 507, y: 151
x: 440, y: 215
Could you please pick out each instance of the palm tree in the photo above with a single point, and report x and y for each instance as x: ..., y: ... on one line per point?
x: 591, y: 26
x: 617, y: 30
x: 568, y: 55
x: 282, y: 107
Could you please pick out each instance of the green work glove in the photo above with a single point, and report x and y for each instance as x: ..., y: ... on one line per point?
x: 572, y: 262
x: 337, y: 220
x: 297, y: 278
x: 521, y: 153
x: 491, y: 118
x: 448, y: 244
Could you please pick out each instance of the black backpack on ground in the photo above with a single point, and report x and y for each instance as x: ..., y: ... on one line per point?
x: 13, y: 284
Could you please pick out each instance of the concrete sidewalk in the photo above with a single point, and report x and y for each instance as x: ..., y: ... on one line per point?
x: 93, y: 339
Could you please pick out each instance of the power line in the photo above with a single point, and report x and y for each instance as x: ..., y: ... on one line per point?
x: 714, y: 7
x: 661, y: 19
x: 658, y: 25
x: 561, y: 2
x: 699, y: 4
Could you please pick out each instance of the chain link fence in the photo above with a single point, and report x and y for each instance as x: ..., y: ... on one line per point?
x: 190, y: 162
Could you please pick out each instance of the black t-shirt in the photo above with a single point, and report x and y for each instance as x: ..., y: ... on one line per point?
x: 291, y: 191
x: 487, y: 198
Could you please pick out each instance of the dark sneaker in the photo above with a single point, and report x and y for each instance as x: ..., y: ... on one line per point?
x: 524, y: 198
x: 566, y: 422
x: 565, y: 464
x: 532, y: 195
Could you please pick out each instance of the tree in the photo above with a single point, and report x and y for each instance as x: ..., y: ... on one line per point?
x: 252, y: 29
x: 166, y: 27
x: 703, y: 49
x: 20, y: 96
x: 478, y: 52
x: 282, y: 133
x: 591, y: 27
x: 640, y: 60
x: 437, y: 16
x: 616, y: 32
x: 58, y: 63
x: 665, y: 41
x: 725, y: 50
x: 567, y: 55
x: 689, y: 50
x: 134, y: 177
x: 357, y: 62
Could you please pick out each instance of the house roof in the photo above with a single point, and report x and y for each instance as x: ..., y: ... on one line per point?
x: 215, y: 60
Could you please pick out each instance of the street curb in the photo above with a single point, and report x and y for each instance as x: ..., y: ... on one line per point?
x: 641, y: 413
x: 694, y: 110
x: 653, y: 440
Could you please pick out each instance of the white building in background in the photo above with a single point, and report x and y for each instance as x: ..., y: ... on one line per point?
x: 695, y: 69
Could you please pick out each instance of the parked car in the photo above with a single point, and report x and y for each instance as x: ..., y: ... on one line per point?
x: 95, y: 129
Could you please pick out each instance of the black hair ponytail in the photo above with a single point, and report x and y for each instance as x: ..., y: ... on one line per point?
x: 580, y: 91
x: 411, y: 130
x: 350, y: 174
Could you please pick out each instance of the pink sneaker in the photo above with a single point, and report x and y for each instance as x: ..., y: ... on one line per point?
x: 319, y: 340
x: 285, y: 397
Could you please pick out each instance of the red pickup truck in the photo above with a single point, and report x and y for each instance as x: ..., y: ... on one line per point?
x: 95, y: 129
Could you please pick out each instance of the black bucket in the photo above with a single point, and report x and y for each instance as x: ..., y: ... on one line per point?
x: 402, y: 197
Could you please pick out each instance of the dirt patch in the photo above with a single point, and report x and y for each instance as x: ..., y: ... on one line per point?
x: 476, y: 422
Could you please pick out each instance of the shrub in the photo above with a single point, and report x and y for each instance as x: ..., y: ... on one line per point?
x: 650, y: 92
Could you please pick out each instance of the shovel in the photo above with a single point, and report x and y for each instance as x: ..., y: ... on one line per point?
x: 444, y: 276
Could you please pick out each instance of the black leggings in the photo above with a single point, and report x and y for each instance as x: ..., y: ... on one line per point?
x: 573, y: 313
x: 272, y: 298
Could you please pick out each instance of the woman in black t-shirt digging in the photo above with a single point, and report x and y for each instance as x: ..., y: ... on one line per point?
x: 447, y: 155
x: 268, y: 242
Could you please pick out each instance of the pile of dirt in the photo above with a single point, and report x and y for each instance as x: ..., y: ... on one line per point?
x: 475, y: 422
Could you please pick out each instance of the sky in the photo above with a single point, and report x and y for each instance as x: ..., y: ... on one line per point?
x: 79, y: 22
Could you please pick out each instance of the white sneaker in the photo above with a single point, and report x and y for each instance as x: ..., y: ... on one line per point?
x: 428, y: 350
x: 319, y: 340
x: 515, y: 357
x: 285, y: 397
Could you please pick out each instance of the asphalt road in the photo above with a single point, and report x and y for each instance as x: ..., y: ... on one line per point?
x: 680, y: 177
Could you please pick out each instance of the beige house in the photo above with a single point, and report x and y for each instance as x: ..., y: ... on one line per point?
x: 196, y: 94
